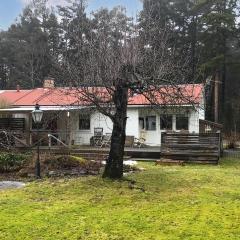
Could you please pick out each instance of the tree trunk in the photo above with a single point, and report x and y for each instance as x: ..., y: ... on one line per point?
x: 114, y: 165
x: 193, y: 47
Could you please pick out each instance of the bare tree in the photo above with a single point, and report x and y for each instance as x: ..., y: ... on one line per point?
x: 115, y: 61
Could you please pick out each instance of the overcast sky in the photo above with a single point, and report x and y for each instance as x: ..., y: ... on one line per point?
x: 10, y: 9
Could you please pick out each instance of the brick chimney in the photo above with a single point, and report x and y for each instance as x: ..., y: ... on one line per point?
x: 48, y: 82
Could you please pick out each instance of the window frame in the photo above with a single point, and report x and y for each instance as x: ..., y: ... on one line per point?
x: 182, y: 116
x: 84, y: 117
x: 161, y: 120
x: 147, y: 123
x: 142, y: 124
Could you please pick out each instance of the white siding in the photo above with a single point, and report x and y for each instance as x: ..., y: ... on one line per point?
x: 98, y: 120
x: 201, y: 113
x: 153, y: 138
x: 132, y: 128
x: 193, y: 121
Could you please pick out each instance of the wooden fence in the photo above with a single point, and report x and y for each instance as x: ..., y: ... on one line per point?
x: 185, y: 147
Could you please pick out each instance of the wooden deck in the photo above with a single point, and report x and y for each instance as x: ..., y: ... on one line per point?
x: 144, y: 153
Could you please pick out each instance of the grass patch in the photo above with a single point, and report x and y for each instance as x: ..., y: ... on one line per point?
x: 190, y: 202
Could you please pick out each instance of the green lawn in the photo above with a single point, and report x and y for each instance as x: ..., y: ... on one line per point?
x: 190, y: 202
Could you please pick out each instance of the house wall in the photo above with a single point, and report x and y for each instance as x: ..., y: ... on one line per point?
x: 68, y: 126
x: 153, y: 138
x: 132, y: 128
x: 193, y: 121
x: 63, y: 124
x: 98, y: 120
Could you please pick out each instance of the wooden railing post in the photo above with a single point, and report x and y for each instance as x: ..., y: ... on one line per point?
x: 163, y: 135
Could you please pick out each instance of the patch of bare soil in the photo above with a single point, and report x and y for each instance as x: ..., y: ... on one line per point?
x: 55, y: 166
x: 58, y: 166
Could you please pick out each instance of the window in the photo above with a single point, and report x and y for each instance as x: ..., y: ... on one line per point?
x: 181, y: 122
x: 151, y: 123
x: 12, y: 124
x: 141, y: 123
x: 166, y: 122
x: 84, y: 122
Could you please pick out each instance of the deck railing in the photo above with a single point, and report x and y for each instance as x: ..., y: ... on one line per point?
x: 187, y: 147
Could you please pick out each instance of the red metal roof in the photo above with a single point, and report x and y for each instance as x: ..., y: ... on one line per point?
x: 182, y: 94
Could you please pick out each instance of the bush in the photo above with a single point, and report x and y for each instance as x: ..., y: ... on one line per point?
x: 11, y: 162
x: 231, y: 140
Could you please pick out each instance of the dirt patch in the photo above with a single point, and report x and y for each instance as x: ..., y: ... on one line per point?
x: 58, y: 165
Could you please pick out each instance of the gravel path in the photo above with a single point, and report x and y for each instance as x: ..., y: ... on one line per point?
x: 11, y: 184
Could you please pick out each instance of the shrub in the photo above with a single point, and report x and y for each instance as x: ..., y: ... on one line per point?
x: 11, y: 162
x: 231, y: 140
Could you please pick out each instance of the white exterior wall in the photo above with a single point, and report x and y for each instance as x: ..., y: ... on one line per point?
x: 132, y: 128
x: 98, y: 120
x: 201, y: 113
x: 153, y: 137
x: 193, y: 122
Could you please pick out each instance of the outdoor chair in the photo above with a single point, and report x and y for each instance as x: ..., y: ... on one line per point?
x: 106, y: 140
x: 139, y: 142
x: 98, y: 136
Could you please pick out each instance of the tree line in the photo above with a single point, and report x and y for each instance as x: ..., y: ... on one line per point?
x: 46, y: 41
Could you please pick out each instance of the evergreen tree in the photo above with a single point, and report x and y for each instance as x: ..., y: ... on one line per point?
x: 30, y: 47
x: 75, y: 27
x: 206, y: 29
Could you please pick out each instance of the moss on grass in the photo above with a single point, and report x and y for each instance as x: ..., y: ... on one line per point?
x: 190, y: 202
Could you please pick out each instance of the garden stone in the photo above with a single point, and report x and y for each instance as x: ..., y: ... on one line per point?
x: 11, y: 184
x: 52, y: 173
x: 93, y: 172
x: 82, y: 172
x: 31, y: 175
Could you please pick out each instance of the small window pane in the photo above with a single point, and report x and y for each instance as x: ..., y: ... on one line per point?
x: 181, y: 122
x: 166, y: 122
x: 141, y: 123
x: 151, y: 123
x: 84, y: 122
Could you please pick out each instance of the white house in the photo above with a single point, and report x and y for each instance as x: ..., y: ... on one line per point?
x: 75, y: 123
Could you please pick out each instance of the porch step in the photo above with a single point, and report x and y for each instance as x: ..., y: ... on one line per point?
x: 139, y: 153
